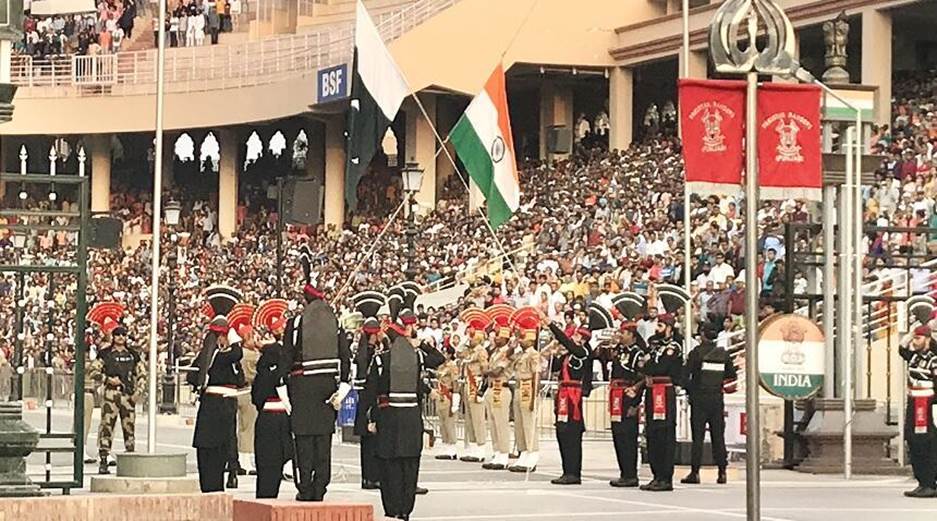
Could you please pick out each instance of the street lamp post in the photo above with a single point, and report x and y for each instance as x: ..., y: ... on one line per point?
x: 168, y: 405
x: 412, y: 177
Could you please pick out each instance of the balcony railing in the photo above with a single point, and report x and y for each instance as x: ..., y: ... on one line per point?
x: 194, y: 69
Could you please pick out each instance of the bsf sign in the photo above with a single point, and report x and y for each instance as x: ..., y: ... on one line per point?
x: 333, y: 83
x: 791, y: 357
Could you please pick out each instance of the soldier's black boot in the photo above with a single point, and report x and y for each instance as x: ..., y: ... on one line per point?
x: 624, y: 482
x: 921, y: 492
x: 692, y: 478
x: 102, y: 466
x: 722, y: 479
x: 232, y: 480
x: 420, y: 491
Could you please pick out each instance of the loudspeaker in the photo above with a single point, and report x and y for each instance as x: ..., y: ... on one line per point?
x: 105, y: 233
x: 301, y: 201
x: 559, y: 139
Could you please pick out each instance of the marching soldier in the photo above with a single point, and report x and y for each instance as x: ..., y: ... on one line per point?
x: 124, y: 376
x: 319, y: 381
x: 498, y: 394
x: 662, y: 371
x: 396, y: 417
x: 216, y: 382
x: 575, y: 382
x: 920, y: 428
x: 709, y: 369
x: 370, y: 340
x: 273, y: 442
x: 447, y: 397
x: 106, y: 315
x: 474, y: 366
x: 526, y: 396
x: 624, y: 400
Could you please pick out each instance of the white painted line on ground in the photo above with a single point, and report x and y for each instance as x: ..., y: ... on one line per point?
x: 673, y: 507
x: 481, y: 517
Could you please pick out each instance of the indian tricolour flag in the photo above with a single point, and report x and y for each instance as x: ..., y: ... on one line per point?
x: 377, y: 91
x: 483, y: 141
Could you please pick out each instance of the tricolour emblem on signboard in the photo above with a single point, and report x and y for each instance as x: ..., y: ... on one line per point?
x: 791, y: 359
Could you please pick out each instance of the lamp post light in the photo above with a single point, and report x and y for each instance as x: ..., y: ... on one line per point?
x: 168, y: 404
x: 412, y: 177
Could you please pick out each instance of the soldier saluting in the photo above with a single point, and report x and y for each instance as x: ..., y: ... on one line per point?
x: 396, y: 417
x: 273, y: 442
x: 920, y: 427
x: 663, y: 370
x: 218, y: 377
x: 709, y: 369
x: 319, y: 381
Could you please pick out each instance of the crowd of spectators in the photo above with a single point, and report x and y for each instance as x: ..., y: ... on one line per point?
x: 592, y: 225
x: 100, y: 32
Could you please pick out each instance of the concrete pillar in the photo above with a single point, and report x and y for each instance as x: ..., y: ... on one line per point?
x: 445, y: 120
x: 335, y: 172
x: 876, y: 58
x: 169, y: 159
x: 556, y: 109
x: 229, y: 143
x: 315, y: 150
x: 421, y: 148
x: 620, y: 107
x: 100, y: 145
x: 699, y: 62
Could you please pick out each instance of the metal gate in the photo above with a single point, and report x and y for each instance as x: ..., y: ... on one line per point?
x: 40, y: 354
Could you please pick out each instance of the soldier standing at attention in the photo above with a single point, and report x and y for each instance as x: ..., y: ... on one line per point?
x: 474, y: 365
x: 526, y: 394
x: 319, y: 381
x: 447, y: 398
x: 106, y: 315
x: 920, y: 428
x: 498, y: 395
x: 663, y: 370
x: 273, y: 442
x: 240, y: 320
x: 624, y: 395
x: 709, y: 369
x: 370, y: 341
x: 124, y: 374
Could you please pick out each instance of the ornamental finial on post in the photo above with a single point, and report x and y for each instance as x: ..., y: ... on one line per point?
x: 776, y: 56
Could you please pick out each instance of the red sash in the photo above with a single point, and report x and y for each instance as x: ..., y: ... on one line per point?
x: 659, y: 398
x: 569, y: 397
x: 921, y: 413
x: 616, y: 399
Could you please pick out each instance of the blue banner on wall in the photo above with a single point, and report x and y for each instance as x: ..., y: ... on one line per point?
x: 332, y: 83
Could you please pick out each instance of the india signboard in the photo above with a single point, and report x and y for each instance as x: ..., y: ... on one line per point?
x: 791, y: 357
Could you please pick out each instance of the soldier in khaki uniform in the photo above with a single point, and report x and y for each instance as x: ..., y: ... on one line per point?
x: 526, y: 396
x: 498, y: 395
x: 247, y: 413
x: 447, y: 398
x: 474, y: 366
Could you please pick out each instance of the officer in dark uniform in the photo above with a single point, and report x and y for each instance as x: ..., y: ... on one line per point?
x: 319, y: 381
x: 216, y: 381
x: 920, y: 427
x: 574, y: 364
x: 709, y: 369
x: 273, y: 442
x: 123, y: 374
x: 396, y: 418
x: 663, y: 370
x: 624, y: 395
x: 370, y: 341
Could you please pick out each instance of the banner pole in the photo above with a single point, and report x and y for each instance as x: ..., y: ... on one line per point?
x: 687, y: 242
x: 752, y: 379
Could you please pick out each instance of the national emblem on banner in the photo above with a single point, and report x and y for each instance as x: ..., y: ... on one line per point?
x: 712, y: 114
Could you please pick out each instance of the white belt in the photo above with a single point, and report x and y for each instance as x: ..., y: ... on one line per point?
x: 401, y: 404
x: 224, y: 392
x: 713, y: 366
x: 311, y: 372
x: 275, y: 407
x: 921, y: 393
x: 329, y: 361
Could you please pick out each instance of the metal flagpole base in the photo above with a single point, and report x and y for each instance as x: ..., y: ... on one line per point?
x: 142, y: 473
x: 18, y: 440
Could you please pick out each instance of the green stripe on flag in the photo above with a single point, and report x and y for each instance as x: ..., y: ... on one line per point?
x: 474, y: 155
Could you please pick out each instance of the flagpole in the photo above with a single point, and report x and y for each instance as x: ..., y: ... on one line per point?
x: 687, y: 242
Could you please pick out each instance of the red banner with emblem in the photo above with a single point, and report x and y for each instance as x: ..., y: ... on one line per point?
x: 790, y: 162
x: 712, y: 125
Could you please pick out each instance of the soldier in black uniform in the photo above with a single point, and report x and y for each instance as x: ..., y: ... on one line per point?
x: 625, y: 386
x: 319, y: 381
x: 123, y: 375
x: 920, y: 427
x: 575, y: 382
x: 216, y: 381
x: 663, y: 370
x: 273, y: 442
x: 709, y: 369
x: 396, y: 418
x: 371, y: 341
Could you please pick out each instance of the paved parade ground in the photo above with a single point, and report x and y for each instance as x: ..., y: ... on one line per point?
x: 465, y: 492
